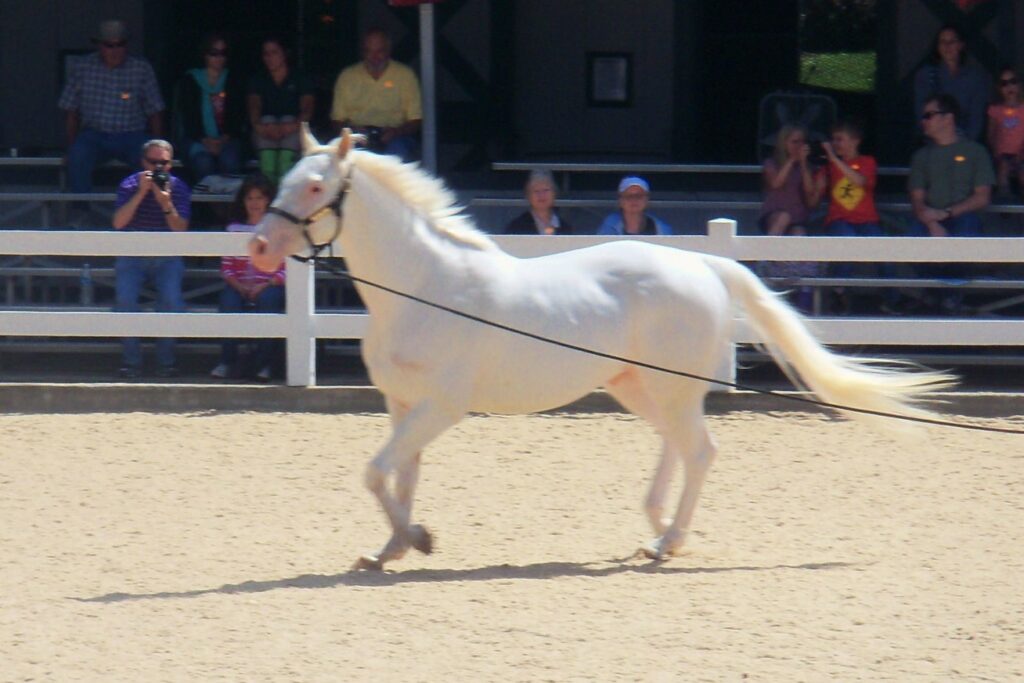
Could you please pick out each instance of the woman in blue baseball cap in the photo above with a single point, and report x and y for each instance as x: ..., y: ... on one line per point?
x: 632, y: 217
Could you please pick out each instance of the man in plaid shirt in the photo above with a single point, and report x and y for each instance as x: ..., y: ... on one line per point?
x: 110, y: 99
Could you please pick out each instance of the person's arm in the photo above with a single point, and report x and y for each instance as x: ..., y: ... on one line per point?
x: 992, y: 132
x: 775, y: 177
x: 254, y: 105
x: 977, y: 201
x: 853, y: 176
x: 123, y: 214
x: 927, y: 215
x: 174, y: 219
x: 813, y: 187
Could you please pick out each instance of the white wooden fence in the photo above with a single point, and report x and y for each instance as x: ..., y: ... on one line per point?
x: 300, y: 326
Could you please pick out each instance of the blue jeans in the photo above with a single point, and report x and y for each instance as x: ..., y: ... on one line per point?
x: 165, y: 273
x: 965, y: 225
x: 202, y: 163
x: 845, y: 229
x: 270, y: 300
x: 92, y: 148
x: 406, y: 147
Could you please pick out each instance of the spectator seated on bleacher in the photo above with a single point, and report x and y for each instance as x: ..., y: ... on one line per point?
x: 1006, y: 131
x: 849, y: 181
x: 110, y: 100
x: 209, y: 110
x: 151, y: 201
x: 950, y: 184
x: 632, y: 218
x: 246, y: 288
x: 542, y: 218
x: 790, y: 193
x: 279, y: 98
x: 380, y: 98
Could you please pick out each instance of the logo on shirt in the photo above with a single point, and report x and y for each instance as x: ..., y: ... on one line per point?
x: 959, y: 158
x: 847, y: 194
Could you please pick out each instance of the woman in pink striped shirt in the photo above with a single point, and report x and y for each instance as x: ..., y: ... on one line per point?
x: 246, y: 288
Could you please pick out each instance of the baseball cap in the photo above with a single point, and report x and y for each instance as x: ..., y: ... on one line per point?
x: 631, y: 180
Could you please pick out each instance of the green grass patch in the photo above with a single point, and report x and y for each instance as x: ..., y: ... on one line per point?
x: 849, y: 71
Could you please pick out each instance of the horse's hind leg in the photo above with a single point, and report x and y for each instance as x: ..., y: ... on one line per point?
x: 628, y: 390
x: 690, y: 436
x: 412, y: 430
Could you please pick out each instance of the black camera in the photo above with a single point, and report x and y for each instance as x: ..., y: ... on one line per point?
x: 161, y: 179
x: 817, y: 154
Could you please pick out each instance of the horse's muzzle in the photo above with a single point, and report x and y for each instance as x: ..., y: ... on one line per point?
x: 261, y: 256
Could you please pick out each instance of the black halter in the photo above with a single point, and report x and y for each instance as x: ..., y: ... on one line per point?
x: 334, y: 206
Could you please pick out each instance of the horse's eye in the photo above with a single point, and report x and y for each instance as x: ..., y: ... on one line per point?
x: 315, y: 189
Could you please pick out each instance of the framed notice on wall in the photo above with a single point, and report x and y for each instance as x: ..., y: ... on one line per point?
x: 609, y: 79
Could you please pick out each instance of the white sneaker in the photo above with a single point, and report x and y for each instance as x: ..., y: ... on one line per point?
x: 220, y: 372
x: 264, y: 374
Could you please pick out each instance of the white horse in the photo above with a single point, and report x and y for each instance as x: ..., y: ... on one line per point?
x: 397, y: 226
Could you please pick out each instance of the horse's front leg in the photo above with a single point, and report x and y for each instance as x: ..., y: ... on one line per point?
x: 419, y: 537
x: 412, y: 430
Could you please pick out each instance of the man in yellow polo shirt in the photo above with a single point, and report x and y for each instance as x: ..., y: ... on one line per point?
x: 380, y: 98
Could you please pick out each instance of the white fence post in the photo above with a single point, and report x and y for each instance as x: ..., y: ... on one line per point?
x: 300, y: 307
x: 721, y: 233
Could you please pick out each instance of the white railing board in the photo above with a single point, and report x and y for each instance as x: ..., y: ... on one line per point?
x: 301, y: 325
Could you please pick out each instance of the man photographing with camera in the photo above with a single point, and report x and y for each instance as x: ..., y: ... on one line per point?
x: 152, y: 200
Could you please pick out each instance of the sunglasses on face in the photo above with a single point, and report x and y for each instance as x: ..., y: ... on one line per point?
x: 927, y: 116
x: 1009, y: 81
x: 216, y: 53
x: 159, y: 163
x: 114, y: 44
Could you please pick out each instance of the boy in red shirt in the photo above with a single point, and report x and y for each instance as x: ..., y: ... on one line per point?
x: 849, y: 179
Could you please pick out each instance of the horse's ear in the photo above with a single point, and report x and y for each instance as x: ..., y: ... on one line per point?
x: 309, y: 143
x: 345, y: 143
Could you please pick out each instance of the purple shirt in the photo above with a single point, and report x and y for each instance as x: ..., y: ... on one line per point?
x: 149, y: 217
x: 789, y: 197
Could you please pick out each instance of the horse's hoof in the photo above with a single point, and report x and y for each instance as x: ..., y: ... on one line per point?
x: 421, y: 539
x: 368, y: 563
x: 653, y: 551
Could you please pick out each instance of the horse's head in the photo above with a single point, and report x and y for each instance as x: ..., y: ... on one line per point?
x: 307, y: 211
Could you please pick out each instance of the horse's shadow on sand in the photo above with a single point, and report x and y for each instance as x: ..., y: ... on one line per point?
x: 539, y: 570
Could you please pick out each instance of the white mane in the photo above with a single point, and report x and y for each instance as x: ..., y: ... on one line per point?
x: 426, y: 194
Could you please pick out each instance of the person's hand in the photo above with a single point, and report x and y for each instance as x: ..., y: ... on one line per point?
x: 935, y: 229
x: 163, y: 197
x: 257, y: 289
x: 829, y: 152
x: 213, y: 145
x: 145, y: 182
x: 930, y: 215
x: 803, y: 153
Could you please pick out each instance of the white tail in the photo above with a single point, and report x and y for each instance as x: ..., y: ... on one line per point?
x: 854, y: 382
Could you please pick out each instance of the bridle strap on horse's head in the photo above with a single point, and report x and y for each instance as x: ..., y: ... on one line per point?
x: 334, y: 206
